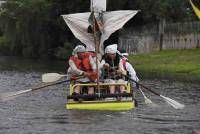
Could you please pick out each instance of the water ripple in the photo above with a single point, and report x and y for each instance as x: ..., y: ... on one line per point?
x: 43, y: 111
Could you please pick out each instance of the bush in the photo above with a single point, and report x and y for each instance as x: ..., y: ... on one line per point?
x: 61, y: 53
x: 65, y: 51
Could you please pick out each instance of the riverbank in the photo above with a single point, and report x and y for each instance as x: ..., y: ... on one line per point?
x: 182, y: 65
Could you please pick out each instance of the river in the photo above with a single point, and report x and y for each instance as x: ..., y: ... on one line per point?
x: 43, y: 111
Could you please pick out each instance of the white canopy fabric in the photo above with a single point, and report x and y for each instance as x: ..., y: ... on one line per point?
x: 78, y: 24
x: 98, y: 5
x: 112, y: 21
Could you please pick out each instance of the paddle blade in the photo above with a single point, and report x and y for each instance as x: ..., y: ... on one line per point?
x: 12, y: 95
x: 51, y: 77
x: 173, y: 103
x: 147, y: 100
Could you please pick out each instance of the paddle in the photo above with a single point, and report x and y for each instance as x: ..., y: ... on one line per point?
x: 51, y: 77
x: 146, y: 100
x: 170, y: 101
x: 10, y: 95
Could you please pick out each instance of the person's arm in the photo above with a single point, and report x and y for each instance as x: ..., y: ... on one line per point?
x: 94, y: 65
x: 74, y: 69
x: 121, y: 68
x: 69, y: 71
x: 102, y: 64
x: 131, y: 71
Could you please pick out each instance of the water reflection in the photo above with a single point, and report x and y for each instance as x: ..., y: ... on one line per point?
x: 21, y: 64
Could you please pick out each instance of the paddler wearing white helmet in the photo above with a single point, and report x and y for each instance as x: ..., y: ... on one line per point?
x: 112, y: 67
x: 81, y: 65
x: 131, y: 73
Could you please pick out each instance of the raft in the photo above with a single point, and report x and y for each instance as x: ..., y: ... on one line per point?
x: 101, y: 100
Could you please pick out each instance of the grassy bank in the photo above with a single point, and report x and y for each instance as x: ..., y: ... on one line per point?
x: 180, y: 64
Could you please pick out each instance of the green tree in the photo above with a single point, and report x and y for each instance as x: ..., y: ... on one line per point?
x: 23, y: 23
x: 34, y: 28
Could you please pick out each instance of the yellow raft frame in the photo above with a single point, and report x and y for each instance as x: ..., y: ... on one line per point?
x: 127, y: 103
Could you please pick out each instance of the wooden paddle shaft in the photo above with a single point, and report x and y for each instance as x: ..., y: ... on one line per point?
x: 143, y: 86
x: 49, y: 84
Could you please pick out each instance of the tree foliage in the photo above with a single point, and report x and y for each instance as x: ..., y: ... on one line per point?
x: 34, y: 28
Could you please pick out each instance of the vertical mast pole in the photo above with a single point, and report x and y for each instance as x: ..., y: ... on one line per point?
x: 96, y: 42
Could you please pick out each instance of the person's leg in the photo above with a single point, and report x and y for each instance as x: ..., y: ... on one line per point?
x: 77, y: 89
x: 121, y: 87
x: 111, y: 88
x: 90, y: 90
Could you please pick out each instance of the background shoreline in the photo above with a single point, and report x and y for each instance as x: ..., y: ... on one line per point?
x: 181, y: 65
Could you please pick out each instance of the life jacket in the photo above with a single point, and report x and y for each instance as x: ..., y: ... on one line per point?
x: 84, y: 65
x: 76, y: 61
x: 114, y: 65
x: 86, y: 61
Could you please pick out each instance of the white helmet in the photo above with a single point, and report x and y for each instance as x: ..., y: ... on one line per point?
x: 111, y: 48
x: 124, y: 54
x: 79, y: 48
